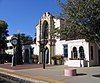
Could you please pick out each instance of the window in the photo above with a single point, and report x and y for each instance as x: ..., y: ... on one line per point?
x: 74, y: 52
x: 91, y: 49
x: 81, y: 52
x: 65, y: 50
x: 45, y: 30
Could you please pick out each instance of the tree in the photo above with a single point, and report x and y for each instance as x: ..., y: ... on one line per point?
x: 82, y: 19
x: 18, y: 54
x: 25, y: 38
x: 3, y: 34
x: 22, y: 39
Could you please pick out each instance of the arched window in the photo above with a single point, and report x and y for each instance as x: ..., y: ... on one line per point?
x: 81, y: 52
x: 45, y: 30
x: 74, y: 52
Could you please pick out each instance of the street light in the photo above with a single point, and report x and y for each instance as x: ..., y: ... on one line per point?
x: 14, y: 42
x: 42, y: 49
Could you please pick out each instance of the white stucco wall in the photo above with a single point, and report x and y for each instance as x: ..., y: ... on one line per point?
x: 71, y: 44
x: 59, y: 47
x: 77, y: 44
x: 37, y: 33
x: 56, y: 23
x: 76, y: 63
x: 9, y: 51
x: 36, y: 49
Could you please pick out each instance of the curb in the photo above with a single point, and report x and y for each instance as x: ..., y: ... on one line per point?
x: 36, y: 79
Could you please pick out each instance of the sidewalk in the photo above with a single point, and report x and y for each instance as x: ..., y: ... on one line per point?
x: 84, y: 75
x: 55, y: 74
x: 13, y: 71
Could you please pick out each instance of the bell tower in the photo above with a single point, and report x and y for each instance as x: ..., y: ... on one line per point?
x: 45, y: 24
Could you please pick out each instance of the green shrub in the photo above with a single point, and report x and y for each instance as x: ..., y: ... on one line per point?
x: 35, y: 56
x: 57, y: 57
x: 53, y: 57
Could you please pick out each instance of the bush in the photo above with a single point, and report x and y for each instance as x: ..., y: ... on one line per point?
x: 35, y: 58
x: 53, y: 57
x: 58, y: 59
x: 5, y: 57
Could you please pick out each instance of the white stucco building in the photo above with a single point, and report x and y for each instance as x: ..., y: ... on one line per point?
x: 77, y: 53
x: 9, y: 45
x: 26, y: 50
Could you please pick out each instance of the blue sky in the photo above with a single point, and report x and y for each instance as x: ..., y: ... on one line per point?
x: 23, y: 15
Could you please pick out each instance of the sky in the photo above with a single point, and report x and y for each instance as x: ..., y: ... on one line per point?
x: 23, y: 15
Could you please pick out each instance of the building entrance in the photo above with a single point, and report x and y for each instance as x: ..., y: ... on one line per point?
x: 26, y: 56
x: 46, y: 55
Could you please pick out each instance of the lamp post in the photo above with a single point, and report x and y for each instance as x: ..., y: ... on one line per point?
x: 14, y: 43
x: 43, y: 54
x: 42, y: 49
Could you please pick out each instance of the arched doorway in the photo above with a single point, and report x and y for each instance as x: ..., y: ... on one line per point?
x: 81, y: 52
x: 46, y: 55
x: 75, y: 56
x: 26, y: 56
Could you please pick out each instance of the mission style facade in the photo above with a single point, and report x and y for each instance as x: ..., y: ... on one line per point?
x: 76, y: 53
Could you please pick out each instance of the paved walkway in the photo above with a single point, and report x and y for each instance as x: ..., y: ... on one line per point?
x: 21, y: 67
x: 84, y: 75
x: 55, y: 74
